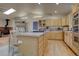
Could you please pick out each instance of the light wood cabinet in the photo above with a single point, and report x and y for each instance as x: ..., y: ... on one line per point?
x: 48, y: 22
x: 57, y: 35
x: 75, y: 27
x: 65, y: 21
x: 41, y: 46
x: 68, y: 37
x: 53, y: 22
x: 46, y: 37
x: 31, y: 46
x: 74, y: 8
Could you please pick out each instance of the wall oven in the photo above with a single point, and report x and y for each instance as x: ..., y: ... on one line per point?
x: 76, y: 30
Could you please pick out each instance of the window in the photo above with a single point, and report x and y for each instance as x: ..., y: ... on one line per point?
x: 35, y: 26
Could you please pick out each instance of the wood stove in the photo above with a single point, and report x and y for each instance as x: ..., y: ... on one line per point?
x: 6, y: 29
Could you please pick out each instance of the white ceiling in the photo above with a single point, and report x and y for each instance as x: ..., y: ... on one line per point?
x: 34, y: 9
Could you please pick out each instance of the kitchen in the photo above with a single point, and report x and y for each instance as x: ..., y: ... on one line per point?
x: 45, y: 29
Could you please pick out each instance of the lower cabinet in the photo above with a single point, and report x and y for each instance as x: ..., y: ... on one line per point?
x: 29, y: 46
x: 32, y: 46
x: 68, y: 38
x: 46, y: 37
x: 56, y: 35
x: 41, y: 46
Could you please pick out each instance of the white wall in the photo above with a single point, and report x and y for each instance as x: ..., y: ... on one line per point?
x: 2, y: 23
x: 29, y: 24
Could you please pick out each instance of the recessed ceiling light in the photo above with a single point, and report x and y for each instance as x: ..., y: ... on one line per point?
x: 55, y: 11
x: 9, y: 11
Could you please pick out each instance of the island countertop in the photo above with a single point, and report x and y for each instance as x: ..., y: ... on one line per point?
x: 33, y: 34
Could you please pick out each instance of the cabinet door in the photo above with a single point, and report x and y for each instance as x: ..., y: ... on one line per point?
x: 68, y: 38
x: 29, y: 46
x: 48, y: 22
x: 74, y: 8
x: 56, y: 35
x: 46, y: 37
x: 65, y: 21
x: 41, y: 46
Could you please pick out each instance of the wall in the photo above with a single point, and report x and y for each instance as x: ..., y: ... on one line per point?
x: 2, y: 23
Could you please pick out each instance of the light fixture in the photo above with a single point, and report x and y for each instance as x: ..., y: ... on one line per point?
x: 37, y: 16
x: 8, y: 12
x: 57, y: 3
x: 39, y: 3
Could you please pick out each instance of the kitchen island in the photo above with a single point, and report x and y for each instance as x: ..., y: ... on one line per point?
x: 33, y: 44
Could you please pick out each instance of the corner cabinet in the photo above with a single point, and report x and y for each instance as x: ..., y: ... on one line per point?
x: 68, y: 37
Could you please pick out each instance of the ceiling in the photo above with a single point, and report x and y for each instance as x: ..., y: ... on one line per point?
x: 34, y: 9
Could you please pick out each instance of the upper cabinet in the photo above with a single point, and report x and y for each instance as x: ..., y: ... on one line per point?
x: 65, y: 21
x: 50, y: 22
x: 56, y: 22
x: 74, y: 8
x: 53, y: 22
x: 42, y: 23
